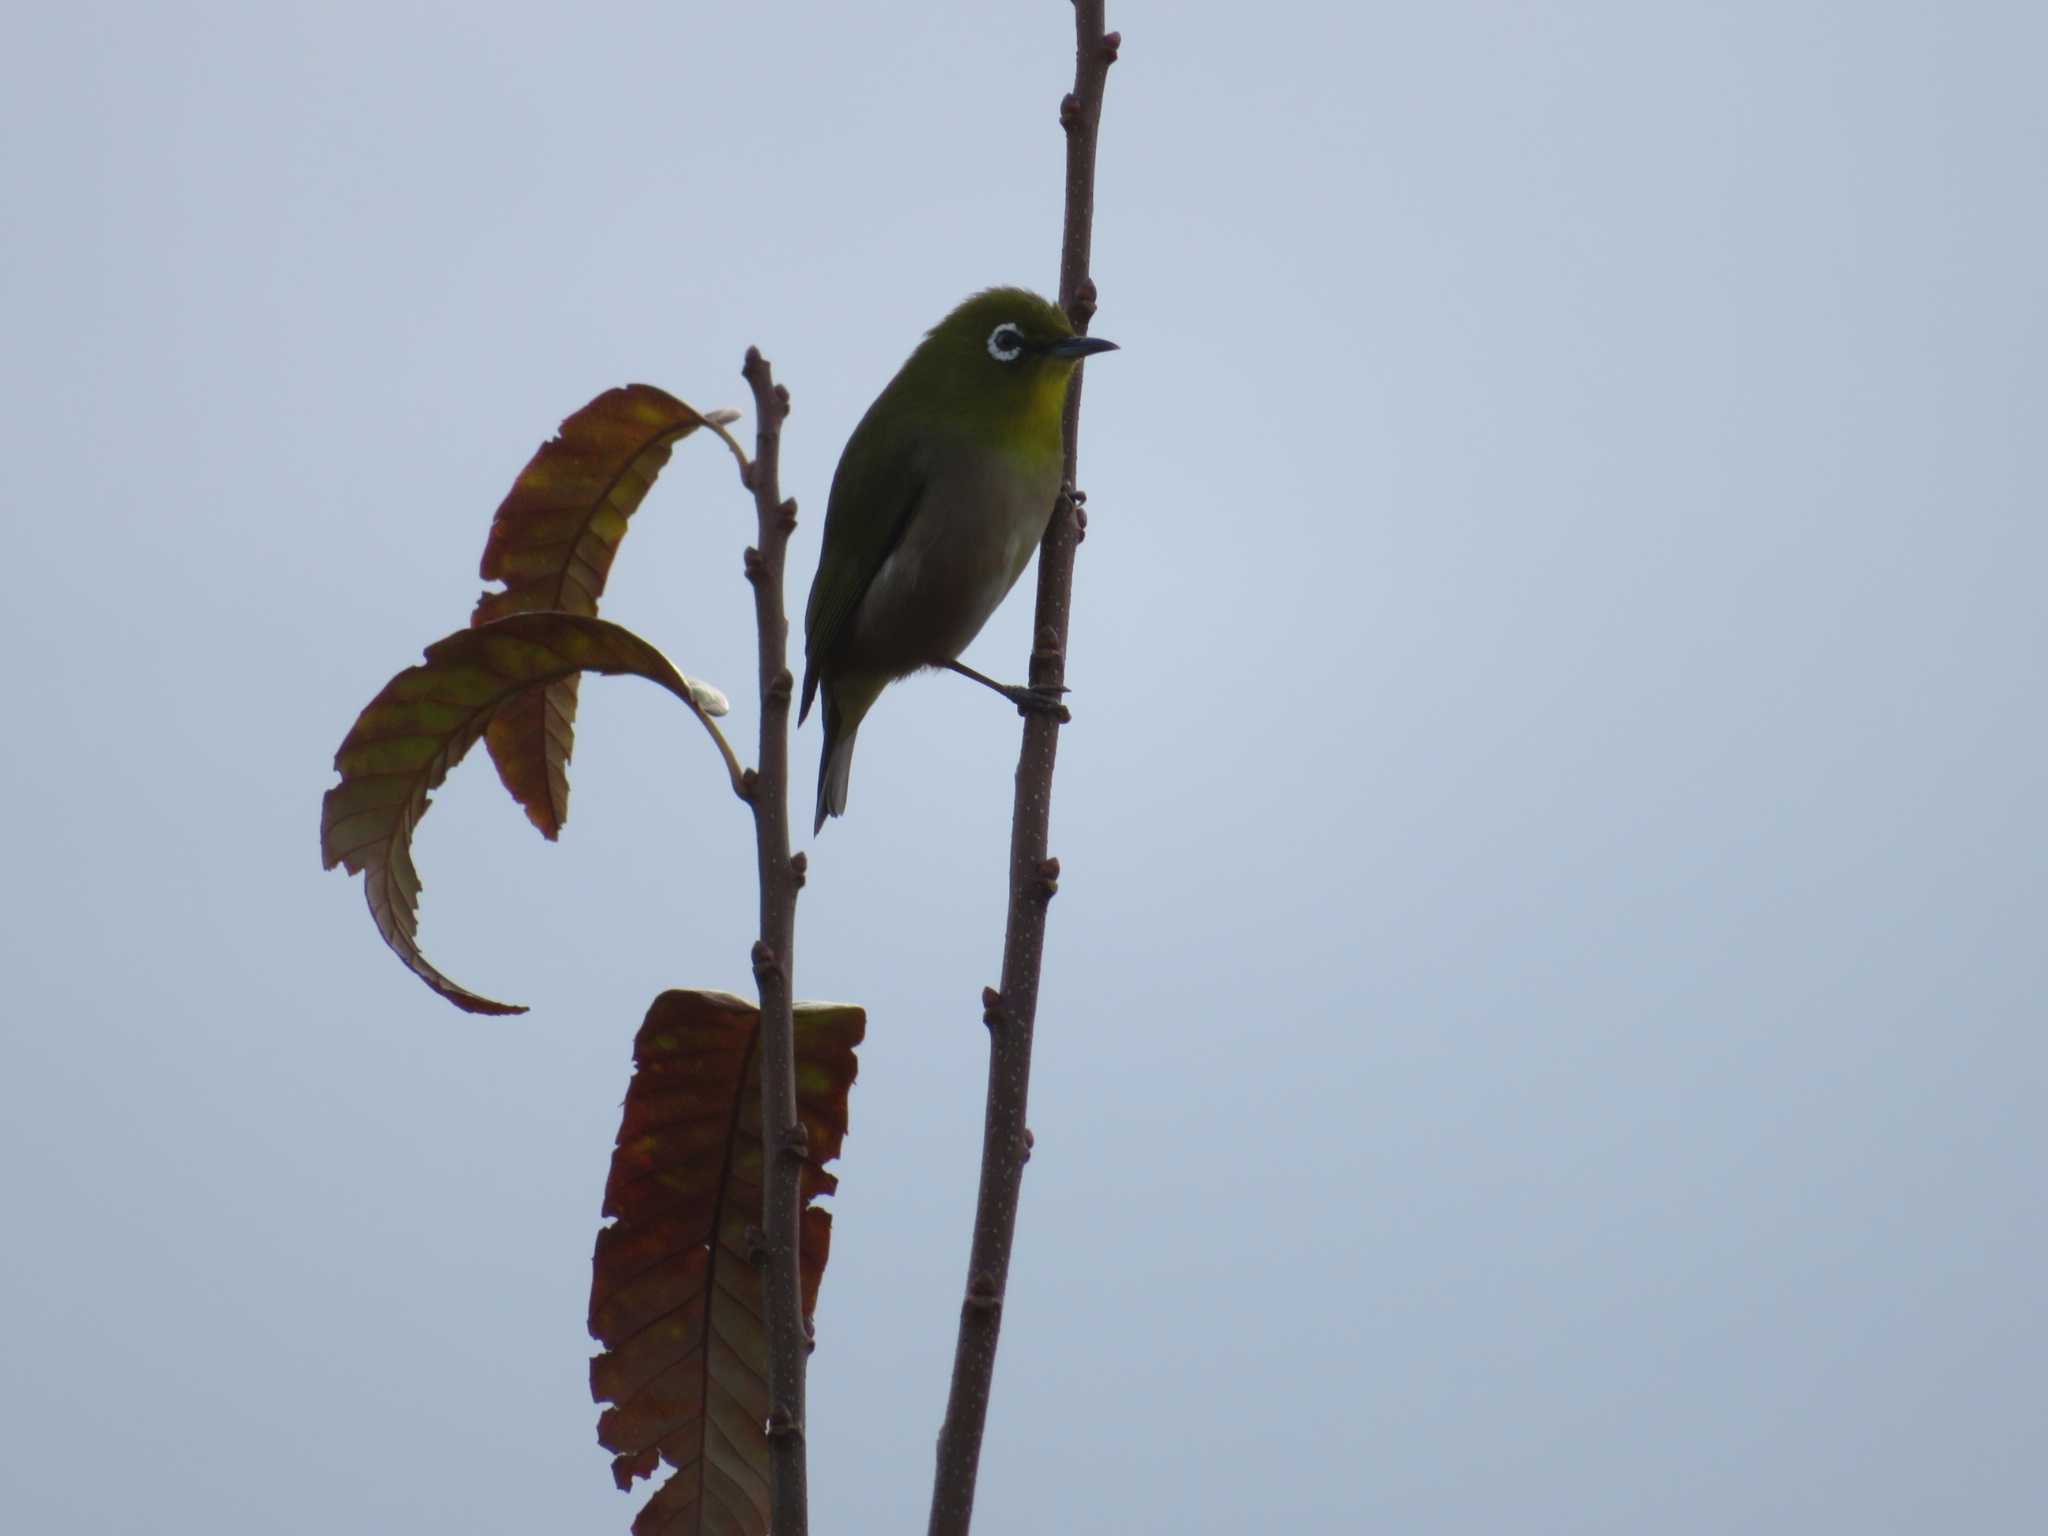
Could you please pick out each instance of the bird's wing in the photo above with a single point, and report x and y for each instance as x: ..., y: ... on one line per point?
x: 875, y: 491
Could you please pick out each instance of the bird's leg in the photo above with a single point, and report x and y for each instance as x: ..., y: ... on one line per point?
x: 1040, y: 701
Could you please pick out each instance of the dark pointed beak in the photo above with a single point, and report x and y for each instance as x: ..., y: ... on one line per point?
x: 1080, y: 346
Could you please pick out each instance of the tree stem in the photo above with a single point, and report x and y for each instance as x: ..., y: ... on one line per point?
x: 782, y: 1137
x: 1012, y: 1012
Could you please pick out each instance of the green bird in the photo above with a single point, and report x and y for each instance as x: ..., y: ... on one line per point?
x: 942, y: 494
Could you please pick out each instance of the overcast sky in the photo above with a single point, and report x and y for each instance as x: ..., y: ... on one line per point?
x: 1543, y: 1018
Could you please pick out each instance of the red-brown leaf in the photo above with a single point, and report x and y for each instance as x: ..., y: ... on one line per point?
x: 552, y: 543
x: 673, y: 1296
x: 411, y: 734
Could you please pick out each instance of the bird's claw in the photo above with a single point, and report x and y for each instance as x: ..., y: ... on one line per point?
x: 1043, y: 699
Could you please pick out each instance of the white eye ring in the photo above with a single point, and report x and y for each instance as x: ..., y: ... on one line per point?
x: 1007, y: 331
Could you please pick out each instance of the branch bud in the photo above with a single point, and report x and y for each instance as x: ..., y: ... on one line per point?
x: 708, y: 698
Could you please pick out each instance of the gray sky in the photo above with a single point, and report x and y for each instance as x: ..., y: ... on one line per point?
x: 1543, y: 1018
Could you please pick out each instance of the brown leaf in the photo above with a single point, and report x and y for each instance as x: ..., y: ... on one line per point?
x: 552, y: 542
x: 674, y: 1297
x: 411, y: 734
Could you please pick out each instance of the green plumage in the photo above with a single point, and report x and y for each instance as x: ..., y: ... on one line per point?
x: 942, y: 493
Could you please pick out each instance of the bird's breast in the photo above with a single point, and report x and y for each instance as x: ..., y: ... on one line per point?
x: 968, y: 540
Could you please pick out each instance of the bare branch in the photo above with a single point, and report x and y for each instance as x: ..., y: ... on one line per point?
x: 767, y: 791
x: 1011, y: 1012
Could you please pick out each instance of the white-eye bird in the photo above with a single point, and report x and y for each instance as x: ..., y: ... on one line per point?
x: 943, y: 492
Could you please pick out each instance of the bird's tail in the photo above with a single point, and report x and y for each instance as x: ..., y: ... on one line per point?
x: 835, y: 768
x: 847, y: 699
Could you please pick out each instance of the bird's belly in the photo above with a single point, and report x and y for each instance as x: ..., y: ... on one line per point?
x: 954, y: 565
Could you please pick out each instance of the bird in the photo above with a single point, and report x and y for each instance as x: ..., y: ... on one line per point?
x: 942, y: 493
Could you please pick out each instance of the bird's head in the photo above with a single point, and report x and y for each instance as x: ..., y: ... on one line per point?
x: 1004, y: 351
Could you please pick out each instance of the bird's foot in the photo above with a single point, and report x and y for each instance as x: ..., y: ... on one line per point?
x: 1043, y: 699
x: 1039, y: 701
x: 1078, y: 500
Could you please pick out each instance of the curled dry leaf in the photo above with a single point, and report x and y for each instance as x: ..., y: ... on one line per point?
x: 675, y: 1297
x: 552, y: 542
x: 412, y: 733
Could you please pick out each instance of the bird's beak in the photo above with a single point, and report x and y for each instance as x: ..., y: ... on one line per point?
x: 1080, y: 346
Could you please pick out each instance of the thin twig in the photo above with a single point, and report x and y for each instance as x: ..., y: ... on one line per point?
x: 719, y: 422
x: 782, y: 1137
x: 733, y: 770
x: 1012, y: 1011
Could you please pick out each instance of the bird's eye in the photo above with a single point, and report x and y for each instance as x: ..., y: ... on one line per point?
x: 1006, y: 343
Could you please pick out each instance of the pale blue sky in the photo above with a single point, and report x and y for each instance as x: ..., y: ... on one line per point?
x: 1543, y: 1017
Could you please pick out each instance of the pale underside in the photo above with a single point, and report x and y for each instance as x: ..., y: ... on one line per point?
x: 964, y: 546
